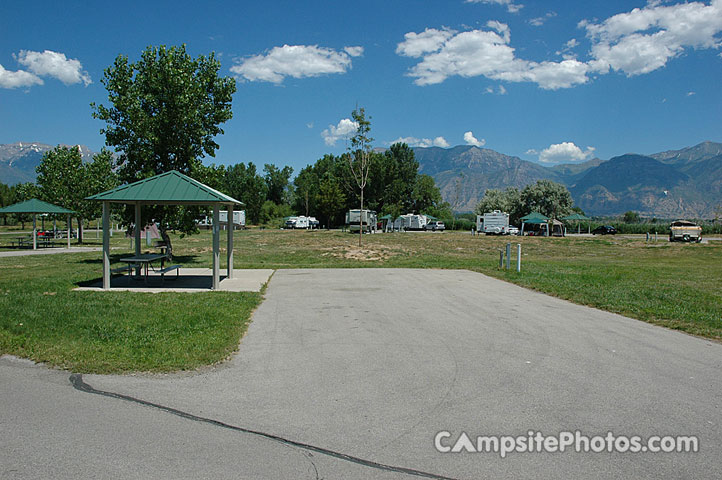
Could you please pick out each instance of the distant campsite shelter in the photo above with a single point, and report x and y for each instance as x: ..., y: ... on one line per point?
x: 535, y: 218
x: 169, y: 188
x: 578, y: 218
x: 34, y: 207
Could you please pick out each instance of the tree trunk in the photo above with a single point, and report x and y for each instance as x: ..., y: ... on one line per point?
x: 166, y: 239
x: 361, y: 219
x: 80, y: 230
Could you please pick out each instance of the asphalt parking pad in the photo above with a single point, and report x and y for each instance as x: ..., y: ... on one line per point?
x: 374, y: 363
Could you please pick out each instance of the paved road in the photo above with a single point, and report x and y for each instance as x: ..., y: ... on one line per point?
x: 351, y: 373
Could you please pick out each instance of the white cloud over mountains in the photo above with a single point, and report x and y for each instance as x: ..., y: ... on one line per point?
x: 43, y: 64
x: 422, y: 142
x: 565, y: 152
x: 634, y: 43
x: 297, y: 61
x: 470, y: 139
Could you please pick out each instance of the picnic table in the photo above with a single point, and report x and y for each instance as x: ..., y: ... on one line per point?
x: 145, y: 260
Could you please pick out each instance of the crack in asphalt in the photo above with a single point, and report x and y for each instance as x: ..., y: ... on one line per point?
x: 76, y: 380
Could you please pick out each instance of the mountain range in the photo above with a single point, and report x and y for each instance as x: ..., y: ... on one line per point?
x: 675, y: 183
x: 18, y: 160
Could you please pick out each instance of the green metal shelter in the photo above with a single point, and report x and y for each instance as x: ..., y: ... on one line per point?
x: 35, y: 206
x: 578, y: 217
x: 534, y: 218
x: 169, y: 188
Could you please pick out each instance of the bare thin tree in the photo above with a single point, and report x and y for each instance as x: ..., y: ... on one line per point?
x: 360, y: 158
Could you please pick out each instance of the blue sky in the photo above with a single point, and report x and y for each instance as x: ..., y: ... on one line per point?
x: 548, y: 81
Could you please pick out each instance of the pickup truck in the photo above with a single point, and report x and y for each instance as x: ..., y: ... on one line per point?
x: 685, y: 231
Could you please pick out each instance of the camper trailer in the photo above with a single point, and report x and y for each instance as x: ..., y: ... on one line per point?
x: 297, y: 222
x: 239, y: 219
x: 355, y: 220
x: 410, y: 221
x: 494, y: 223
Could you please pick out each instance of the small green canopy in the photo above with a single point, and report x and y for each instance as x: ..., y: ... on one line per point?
x: 535, y: 217
x: 575, y: 217
x: 169, y: 188
x: 535, y: 221
x: 35, y: 206
x: 386, y: 217
x: 432, y: 218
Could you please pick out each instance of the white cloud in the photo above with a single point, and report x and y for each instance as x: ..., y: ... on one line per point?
x: 565, y: 152
x: 634, y: 43
x: 509, y: 4
x: 430, y: 40
x: 54, y: 64
x: 297, y: 61
x: 18, y: 79
x: 354, y: 51
x: 343, y: 130
x: 539, y: 21
x: 484, y: 53
x: 422, y: 142
x: 470, y: 139
x: 645, y: 39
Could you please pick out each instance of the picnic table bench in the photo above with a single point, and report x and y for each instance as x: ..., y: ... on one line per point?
x: 145, y: 261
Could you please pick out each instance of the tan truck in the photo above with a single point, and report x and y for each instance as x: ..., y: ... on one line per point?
x: 684, y: 231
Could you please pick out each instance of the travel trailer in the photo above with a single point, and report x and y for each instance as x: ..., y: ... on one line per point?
x: 297, y: 222
x: 239, y: 219
x: 355, y: 220
x: 494, y: 223
x: 410, y: 221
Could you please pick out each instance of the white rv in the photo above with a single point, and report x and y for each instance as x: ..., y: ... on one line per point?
x: 494, y: 223
x: 355, y: 220
x: 410, y: 221
x: 297, y: 222
x: 239, y: 219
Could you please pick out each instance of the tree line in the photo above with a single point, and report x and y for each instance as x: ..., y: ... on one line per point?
x: 165, y: 111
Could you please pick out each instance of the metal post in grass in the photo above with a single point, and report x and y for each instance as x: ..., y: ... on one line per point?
x: 508, y: 256
x: 518, y: 257
x: 501, y: 259
x: 136, y: 234
x: 216, y: 247
x: 229, y: 243
x: 106, y: 246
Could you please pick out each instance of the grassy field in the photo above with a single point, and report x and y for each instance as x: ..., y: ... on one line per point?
x: 674, y: 285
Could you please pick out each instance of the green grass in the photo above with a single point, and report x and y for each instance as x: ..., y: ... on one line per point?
x: 44, y: 320
x: 675, y: 285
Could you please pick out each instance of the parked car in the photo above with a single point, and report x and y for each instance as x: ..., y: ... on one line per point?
x: 512, y: 230
x: 434, y: 226
x: 604, y: 230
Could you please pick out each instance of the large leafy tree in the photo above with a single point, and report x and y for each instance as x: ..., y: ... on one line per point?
x: 164, y: 114
x: 331, y: 199
x: 507, y: 200
x: 245, y: 184
x: 65, y: 180
x: 548, y: 198
x: 22, y: 192
x: 277, y: 181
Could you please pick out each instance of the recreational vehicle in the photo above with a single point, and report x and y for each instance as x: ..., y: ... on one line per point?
x: 494, y: 223
x: 298, y: 222
x: 410, y: 221
x: 355, y: 220
x: 239, y: 219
